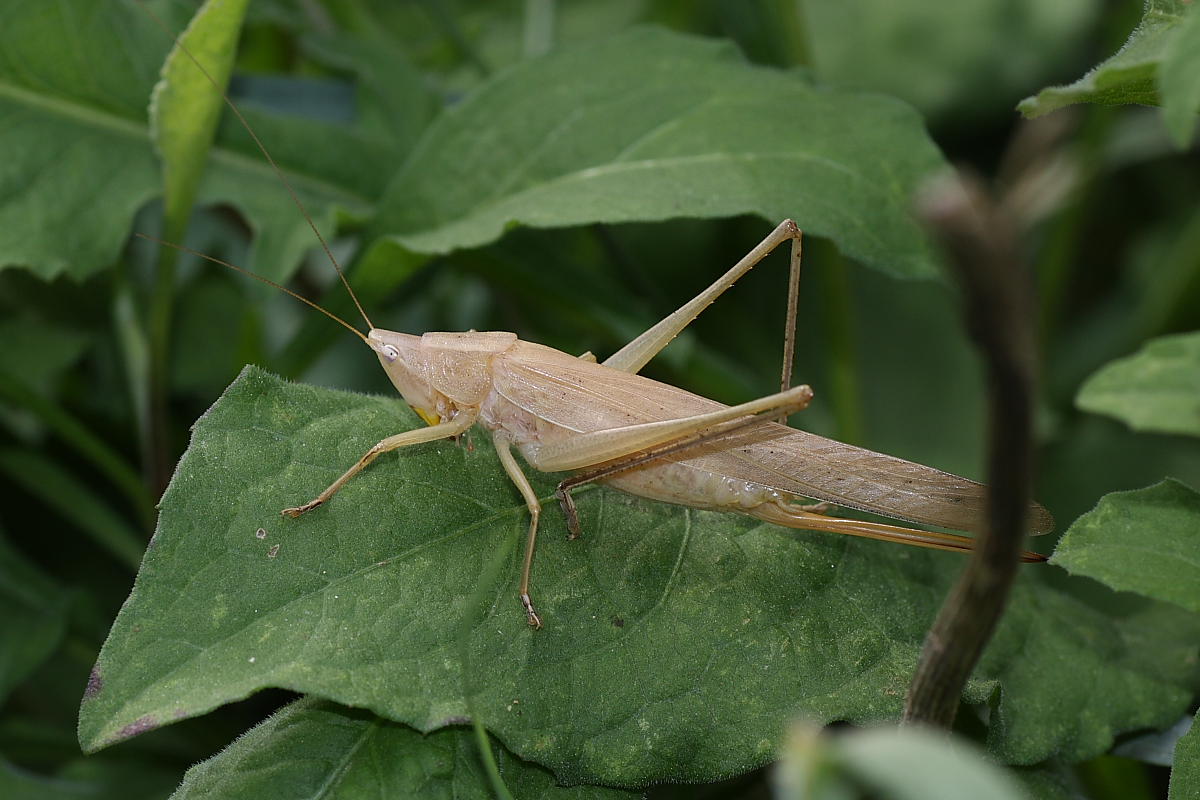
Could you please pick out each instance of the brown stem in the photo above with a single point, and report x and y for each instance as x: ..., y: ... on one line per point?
x: 982, y: 247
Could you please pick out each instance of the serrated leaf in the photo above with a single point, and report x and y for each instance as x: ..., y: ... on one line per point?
x: 1132, y: 74
x: 33, y: 617
x: 650, y: 618
x: 317, y: 748
x: 1156, y: 389
x: 1185, y: 774
x: 909, y: 763
x: 1143, y: 541
x: 73, y: 90
x: 651, y: 125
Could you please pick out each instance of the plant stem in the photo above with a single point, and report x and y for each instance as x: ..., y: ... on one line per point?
x: 982, y: 247
x: 539, y: 27
x: 162, y: 303
x: 839, y: 329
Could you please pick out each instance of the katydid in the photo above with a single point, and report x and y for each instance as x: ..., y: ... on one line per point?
x: 606, y: 423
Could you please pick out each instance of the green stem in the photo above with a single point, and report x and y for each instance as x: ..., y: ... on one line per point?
x: 1056, y: 267
x: 793, y: 21
x: 539, y: 27
x: 845, y: 388
x: 162, y: 302
x: 135, y: 353
x: 475, y: 610
x: 499, y: 788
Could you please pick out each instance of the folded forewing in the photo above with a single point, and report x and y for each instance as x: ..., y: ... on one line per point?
x: 584, y: 396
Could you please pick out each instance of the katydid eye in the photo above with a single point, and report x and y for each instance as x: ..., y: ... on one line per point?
x: 389, y: 352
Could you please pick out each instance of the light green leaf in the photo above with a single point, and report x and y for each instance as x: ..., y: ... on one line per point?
x: 1185, y: 774
x: 651, y: 125
x: 1179, y: 80
x: 890, y: 763
x: 1145, y: 541
x: 33, y: 616
x: 185, y: 104
x: 316, y: 748
x: 650, y: 617
x: 1156, y: 389
x: 1160, y: 47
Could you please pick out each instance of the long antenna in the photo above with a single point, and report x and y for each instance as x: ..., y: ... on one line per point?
x: 258, y: 277
x: 278, y: 172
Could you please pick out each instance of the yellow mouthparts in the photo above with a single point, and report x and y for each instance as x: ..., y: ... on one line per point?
x: 429, y: 417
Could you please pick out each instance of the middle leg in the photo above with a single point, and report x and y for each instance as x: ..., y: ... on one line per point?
x: 515, y: 474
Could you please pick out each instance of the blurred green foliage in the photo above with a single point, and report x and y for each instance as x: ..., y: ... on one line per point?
x: 432, y: 150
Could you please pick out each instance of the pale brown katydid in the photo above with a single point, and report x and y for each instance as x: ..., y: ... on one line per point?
x: 606, y: 423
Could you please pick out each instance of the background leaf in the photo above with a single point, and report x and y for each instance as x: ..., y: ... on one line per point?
x: 316, y: 747
x: 655, y: 610
x: 1156, y: 389
x: 651, y: 125
x: 1179, y: 80
x: 33, y: 617
x: 1131, y: 75
x: 76, y: 130
x: 1142, y: 541
x: 968, y: 60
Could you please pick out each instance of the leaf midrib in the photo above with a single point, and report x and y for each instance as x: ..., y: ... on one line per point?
x: 95, y: 118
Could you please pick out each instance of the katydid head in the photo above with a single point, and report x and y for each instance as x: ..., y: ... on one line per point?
x: 399, y: 355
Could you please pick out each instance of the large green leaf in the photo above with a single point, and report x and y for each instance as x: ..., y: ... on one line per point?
x: 1185, y: 773
x: 1156, y: 66
x: 77, y: 144
x: 650, y: 125
x: 677, y: 644
x: 316, y: 748
x: 1156, y: 389
x: 33, y: 616
x: 1143, y: 541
